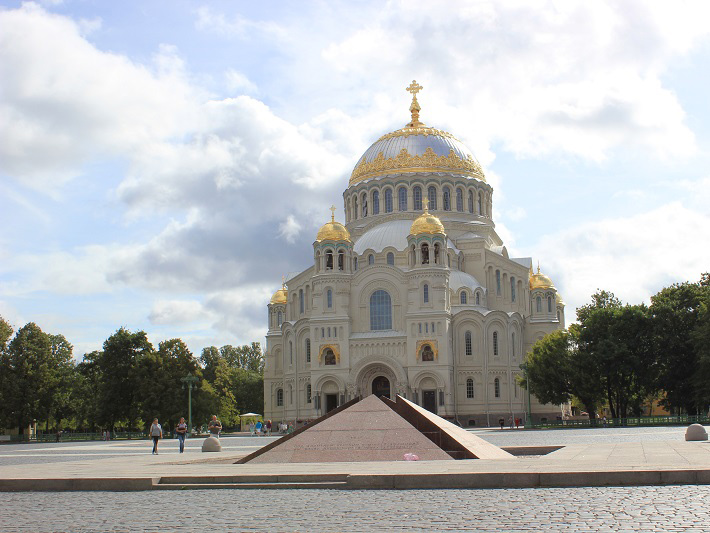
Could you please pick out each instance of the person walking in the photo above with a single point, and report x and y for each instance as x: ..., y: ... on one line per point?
x: 268, y: 428
x: 156, y: 433
x: 214, y: 427
x: 258, y: 428
x: 181, y: 431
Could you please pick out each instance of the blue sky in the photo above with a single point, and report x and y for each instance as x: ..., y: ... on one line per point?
x: 164, y: 163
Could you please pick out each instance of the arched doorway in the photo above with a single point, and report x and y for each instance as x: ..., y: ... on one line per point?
x: 381, y: 386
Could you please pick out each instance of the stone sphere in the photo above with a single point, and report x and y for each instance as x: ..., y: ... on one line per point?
x: 696, y: 432
x: 211, y: 444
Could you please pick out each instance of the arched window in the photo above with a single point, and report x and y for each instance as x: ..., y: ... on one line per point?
x: 480, y: 203
x: 417, y: 196
x: 447, y: 199
x: 364, y: 204
x: 380, y: 311
x: 402, y: 193
x: 290, y: 351
x: 469, y: 388
x: 309, y: 394
x: 425, y: 254
x: 432, y: 327
x: 355, y: 207
x: 329, y: 260
x: 512, y: 345
x: 468, y: 343
x: 459, y: 199
x: 538, y: 301
x: 279, y: 318
x: 308, y: 350
x: 280, y: 398
x: 463, y: 298
x: 322, y: 333
x: 329, y: 357
x: 390, y: 258
x: 470, y: 201
x: 496, y: 387
x: 495, y: 343
x: 329, y: 298
x: 341, y: 260
x: 549, y: 304
x: 370, y: 259
x: 301, y: 302
x: 354, y: 263
x: 425, y: 291
x: 376, y: 203
x: 478, y: 298
x: 437, y: 258
x: 388, y: 200
x: 512, y: 289
x: 498, y: 282
x: 431, y: 195
x: 329, y: 332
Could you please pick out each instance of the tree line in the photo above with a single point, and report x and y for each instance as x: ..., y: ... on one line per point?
x: 123, y: 386
x: 628, y: 356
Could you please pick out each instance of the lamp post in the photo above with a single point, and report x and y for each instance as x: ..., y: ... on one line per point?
x: 528, y: 420
x: 190, y: 381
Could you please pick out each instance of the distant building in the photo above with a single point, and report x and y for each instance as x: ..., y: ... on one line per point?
x: 415, y: 295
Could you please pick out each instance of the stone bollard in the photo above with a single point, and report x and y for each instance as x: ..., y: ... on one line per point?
x: 211, y: 444
x: 696, y: 432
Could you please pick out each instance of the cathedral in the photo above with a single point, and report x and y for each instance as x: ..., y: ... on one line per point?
x: 414, y: 295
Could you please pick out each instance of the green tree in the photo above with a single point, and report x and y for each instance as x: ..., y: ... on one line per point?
x: 6, y: 331
x: 676, y: 317
x: 30, y: 377
x: 556, y: 370
x: 59, y: 392
x: 118, y: 389
x: 161, y: 391
x: 87, y: 391
x: 701, y: 341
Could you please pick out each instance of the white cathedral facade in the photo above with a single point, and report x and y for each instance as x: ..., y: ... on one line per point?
x: 415, y: 295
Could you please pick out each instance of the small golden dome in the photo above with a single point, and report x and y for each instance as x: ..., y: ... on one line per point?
x: 333, y: 231
x: 540, y: 281
x: 280, y: 296
x: 427, y: 223
x: 559, y: 300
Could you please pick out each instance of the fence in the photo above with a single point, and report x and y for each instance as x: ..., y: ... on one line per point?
x: 643, y: 421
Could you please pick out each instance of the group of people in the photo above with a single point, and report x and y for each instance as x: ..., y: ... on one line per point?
x: 156, y: 432
x: 259, y: 428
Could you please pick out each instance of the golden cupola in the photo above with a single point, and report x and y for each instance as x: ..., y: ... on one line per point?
x: 427, y: 223
x: 540, y: 280
x: 280, y: 296
x: 333, y: 230
x: 416, y: 148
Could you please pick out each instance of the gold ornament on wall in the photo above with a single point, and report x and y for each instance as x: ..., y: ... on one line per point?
x: 322, y: 355
x: 427, y: 351
x: 429, y: 161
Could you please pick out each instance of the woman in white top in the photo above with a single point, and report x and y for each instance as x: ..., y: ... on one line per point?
x: 156, y: 433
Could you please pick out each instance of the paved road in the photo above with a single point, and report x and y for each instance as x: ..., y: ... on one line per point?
x: 543, y: 437
x: 42, y: 453
x: 642, y: 509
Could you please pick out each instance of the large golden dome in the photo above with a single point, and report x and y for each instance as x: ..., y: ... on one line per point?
x: 540, y: 281
x: 416, y: 148
x: 280, y: 296
x: 427, y: 223
x: 333, y: 231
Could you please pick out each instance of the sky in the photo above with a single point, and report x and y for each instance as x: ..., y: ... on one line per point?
x: 163, y: 164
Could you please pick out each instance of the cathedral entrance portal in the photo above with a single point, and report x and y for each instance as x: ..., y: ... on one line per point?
x: 429, y: 400
x: 381, y: 386
x: 331, y: 402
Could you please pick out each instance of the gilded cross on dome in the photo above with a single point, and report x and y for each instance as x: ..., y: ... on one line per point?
x: 414, y: 88
x: 332, y: 213
x: 425, y: 203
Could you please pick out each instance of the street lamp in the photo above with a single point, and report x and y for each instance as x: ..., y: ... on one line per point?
x: 528, y: 421
x: 190, y: 381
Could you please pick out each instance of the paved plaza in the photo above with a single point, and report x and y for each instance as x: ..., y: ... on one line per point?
x: 656, y: 506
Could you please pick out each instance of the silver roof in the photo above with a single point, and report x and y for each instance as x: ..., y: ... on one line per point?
x: 416, y: 145
x: 458, y: 279
x: 393, y: 233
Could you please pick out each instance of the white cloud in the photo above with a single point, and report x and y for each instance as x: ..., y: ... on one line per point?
x: 633, y: 257
x: 177, y: 312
